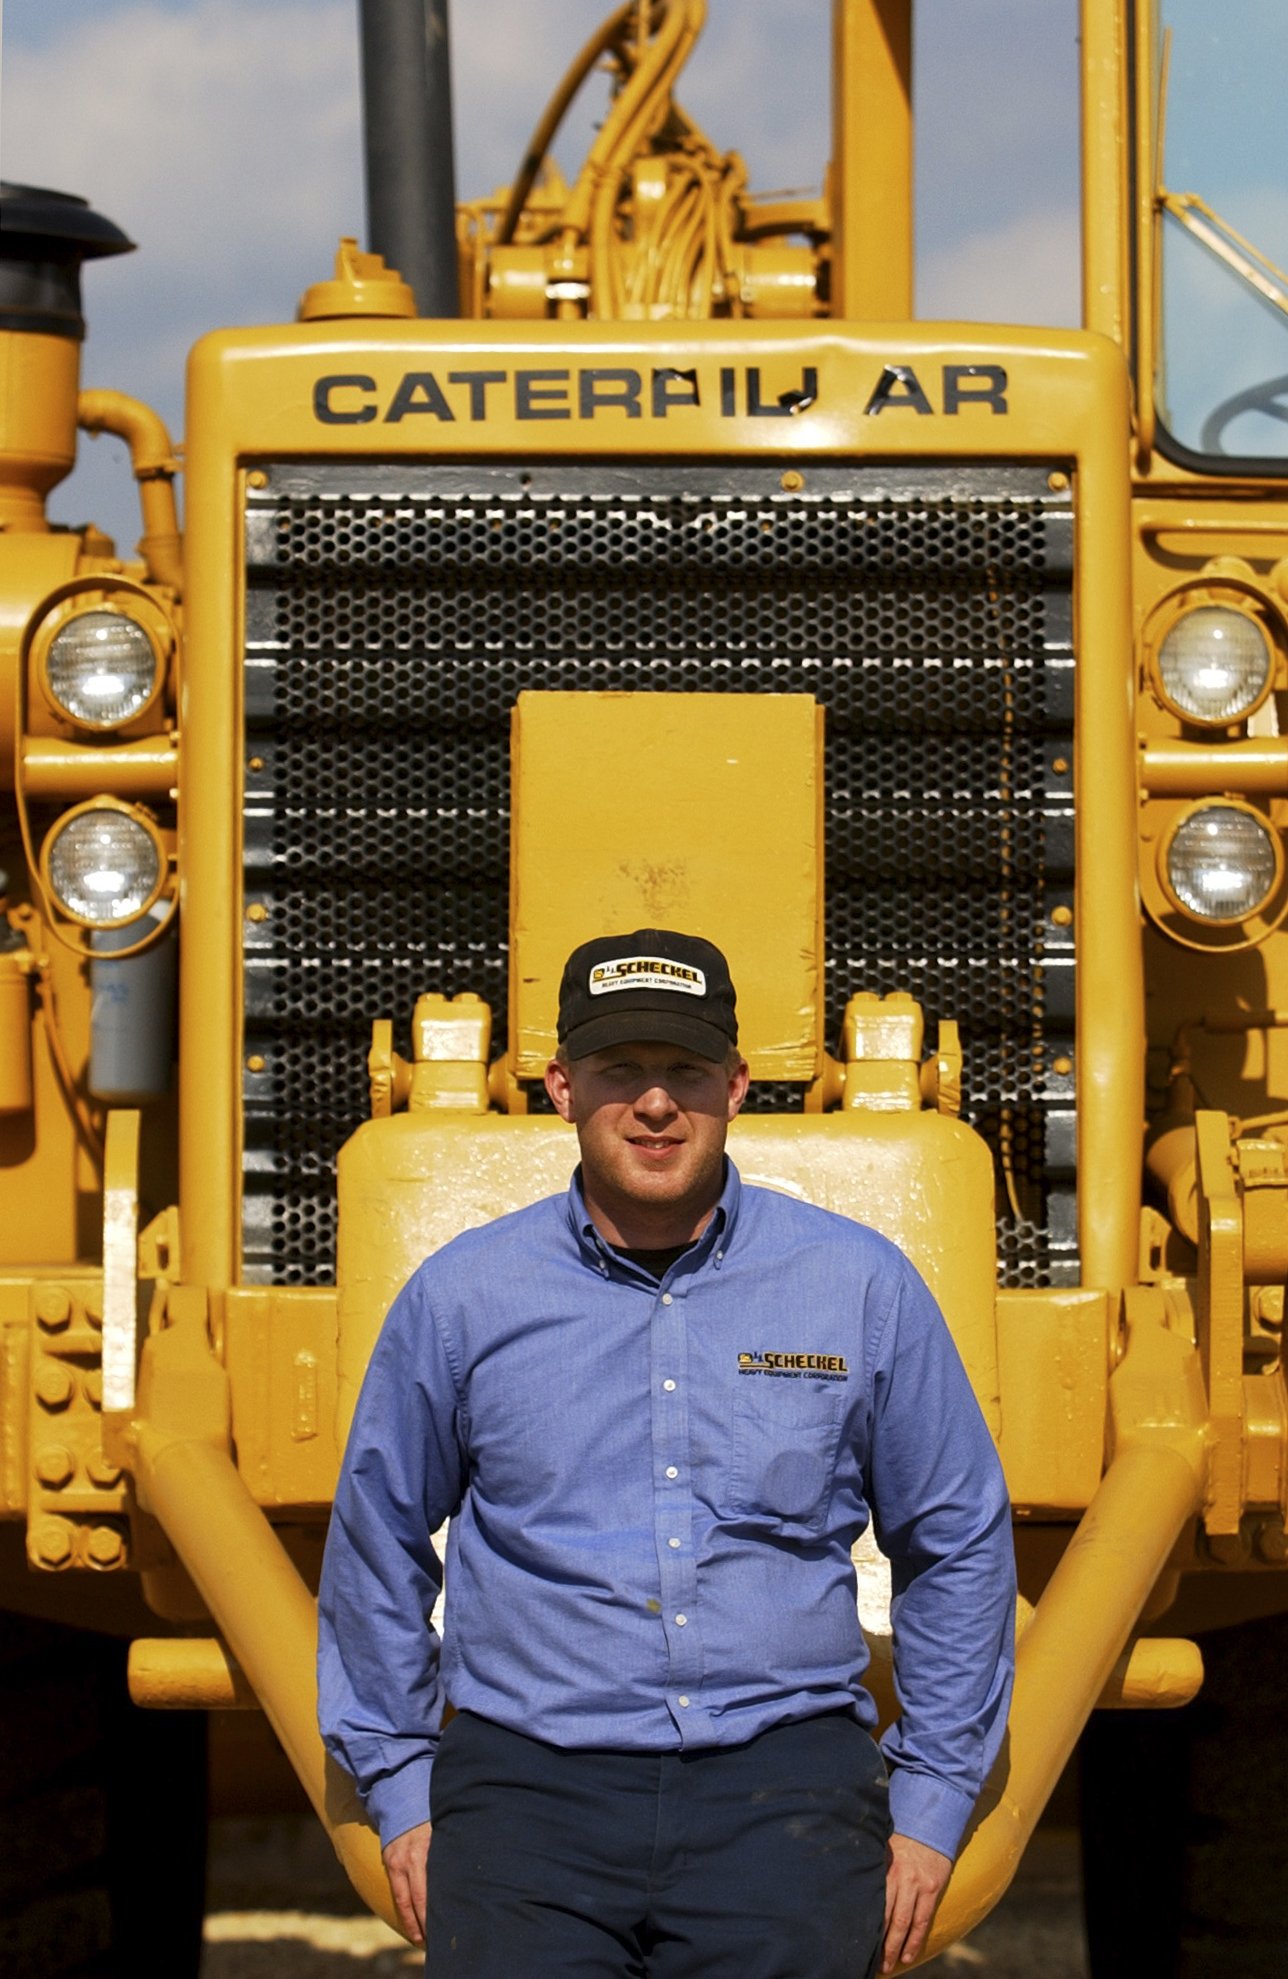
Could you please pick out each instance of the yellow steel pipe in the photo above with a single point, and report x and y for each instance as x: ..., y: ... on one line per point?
x: 1158, y: 1673
x: 152, y: 457
x: 1110, y: 973
x: 268, y: 1618
x: 187, y: 1673
x: 1206, y: 769
x: 53, y: 769
x: 1066, y: 1657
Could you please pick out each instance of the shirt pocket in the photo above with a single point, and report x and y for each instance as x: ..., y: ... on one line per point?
x: 785, y: 1437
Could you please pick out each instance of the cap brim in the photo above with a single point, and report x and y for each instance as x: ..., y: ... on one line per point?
x: 648, y: 1027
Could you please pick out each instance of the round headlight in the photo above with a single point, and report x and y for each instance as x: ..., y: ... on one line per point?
x: 1214, y: 664
x: 1222, y: 863
x: 102, y: 668
x: 104, y: 866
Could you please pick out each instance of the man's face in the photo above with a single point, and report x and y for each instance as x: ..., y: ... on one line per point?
x: 651, y: 1120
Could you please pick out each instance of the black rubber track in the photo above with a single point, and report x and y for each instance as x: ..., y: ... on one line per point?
x: 1185, y: 1823
x: 102, y: 1816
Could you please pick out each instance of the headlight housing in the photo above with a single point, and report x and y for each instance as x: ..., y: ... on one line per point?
x: 104, y: 863
x: 1221, y: 863
x: 100, y: 652
x: 1215, y: 665
x: 101, y: 668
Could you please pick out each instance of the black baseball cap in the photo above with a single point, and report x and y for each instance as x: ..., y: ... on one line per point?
x: 650, y: 987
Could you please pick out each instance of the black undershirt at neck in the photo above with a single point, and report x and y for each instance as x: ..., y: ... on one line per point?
x: 656, y: 1263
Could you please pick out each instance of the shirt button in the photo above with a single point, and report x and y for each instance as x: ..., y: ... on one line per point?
x: 666, y: 1298
x: 668, y: 1385
x: 671, y: 1471
x: 680, y: 1620
x: 683, y: 1702
x: 672, y: 1542
x: 719, y: 1257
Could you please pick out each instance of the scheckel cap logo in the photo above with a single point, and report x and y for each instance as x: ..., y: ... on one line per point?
x: 655, y: 986
x: 638, y: 972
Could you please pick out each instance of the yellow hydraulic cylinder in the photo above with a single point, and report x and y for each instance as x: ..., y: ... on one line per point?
x: 1067, y: 1655
x: 268, y: 1618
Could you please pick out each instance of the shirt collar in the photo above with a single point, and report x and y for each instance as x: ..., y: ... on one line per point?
x: 715, y: 1238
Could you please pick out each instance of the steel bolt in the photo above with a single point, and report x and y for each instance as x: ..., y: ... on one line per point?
x: 791, y: 480
x: 55, y: 1465
x: 1272, y: 1542
x: 1062, y: 917
x: 94, y: 1387
x: 53, y: 1307
x: 53, y: 1542
x: 1057, y: 481
x: 53, y: 1385
x: 103, y: 1472
x: 255, y: 1063
x: 105, y: 1546
x: 257, y: 911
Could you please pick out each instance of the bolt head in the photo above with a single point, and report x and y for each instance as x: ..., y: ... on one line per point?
x: 1272, y: 1542
x: 53, y: 1385
x: 53, y: 1307
x: 94, y: 1387
x: 105, y: 1546
x: 103, y: 1472
x: 52, y: 1543
x: 55, y: 1466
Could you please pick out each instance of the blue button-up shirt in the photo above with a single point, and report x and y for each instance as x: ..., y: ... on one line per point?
x: 654, y: 1488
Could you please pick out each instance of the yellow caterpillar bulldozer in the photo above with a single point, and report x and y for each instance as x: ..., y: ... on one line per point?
x: 961, y: 653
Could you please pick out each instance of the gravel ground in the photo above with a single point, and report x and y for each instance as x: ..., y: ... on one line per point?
x: 279, y: 1908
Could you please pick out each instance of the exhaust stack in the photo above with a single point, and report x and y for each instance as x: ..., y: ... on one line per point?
x: 407, y: 143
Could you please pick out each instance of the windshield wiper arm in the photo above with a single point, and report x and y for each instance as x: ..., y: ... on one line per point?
x: 1205, y: 225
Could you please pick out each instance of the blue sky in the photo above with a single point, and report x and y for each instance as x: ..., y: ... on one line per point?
x: 223, y: 136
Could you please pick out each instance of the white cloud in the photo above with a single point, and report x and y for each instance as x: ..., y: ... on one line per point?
x: 1025, y: 271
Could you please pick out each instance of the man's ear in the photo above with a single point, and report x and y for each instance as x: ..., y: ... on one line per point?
x: 559, y: 1087
x: 738, y: 1083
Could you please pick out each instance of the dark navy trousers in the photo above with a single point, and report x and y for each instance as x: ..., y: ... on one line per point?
x: 760, y: 1861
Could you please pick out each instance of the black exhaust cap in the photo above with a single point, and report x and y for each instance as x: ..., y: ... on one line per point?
x: 44, y: 238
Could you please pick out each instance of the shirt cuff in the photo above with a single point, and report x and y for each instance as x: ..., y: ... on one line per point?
x: 400, y: 1800
x: 927, y: 1810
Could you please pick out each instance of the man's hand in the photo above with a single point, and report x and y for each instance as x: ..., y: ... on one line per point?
x: 915, y: 1878
x: 406, y: 1860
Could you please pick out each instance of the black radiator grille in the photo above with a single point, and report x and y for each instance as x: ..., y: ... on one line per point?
x: 389, y: 631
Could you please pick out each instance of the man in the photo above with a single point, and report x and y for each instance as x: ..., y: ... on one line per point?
x: 661, y: 1408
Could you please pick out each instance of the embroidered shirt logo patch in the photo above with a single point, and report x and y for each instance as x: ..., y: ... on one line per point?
x: 830, y: 1367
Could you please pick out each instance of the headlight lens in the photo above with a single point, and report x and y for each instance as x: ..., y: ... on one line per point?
x: 1222, y: 863
x: 102, y: 668
x: 1214, y: 664
x: 104, y: 866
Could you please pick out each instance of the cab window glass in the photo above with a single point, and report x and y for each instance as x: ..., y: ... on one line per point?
x: 1223, y: 354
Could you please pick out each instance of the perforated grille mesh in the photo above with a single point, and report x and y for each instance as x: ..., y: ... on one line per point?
x: 389, y: 632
